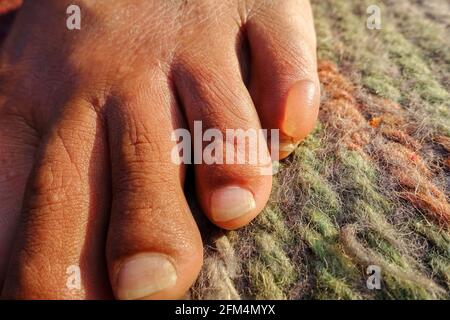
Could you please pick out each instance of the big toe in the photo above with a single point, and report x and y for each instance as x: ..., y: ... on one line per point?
x: 154, y: 249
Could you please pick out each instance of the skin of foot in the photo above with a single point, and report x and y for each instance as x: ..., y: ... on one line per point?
x: 86, y: 116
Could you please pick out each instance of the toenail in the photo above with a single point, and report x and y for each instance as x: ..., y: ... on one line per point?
x: 230, y: 203
x: 300, y: 105
x: 288, y: 147
x: 145, y: 275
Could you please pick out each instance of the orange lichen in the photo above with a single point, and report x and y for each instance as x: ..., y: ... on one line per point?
x: 401, y: 137
x: 375, y: 122
x: 440, y: 210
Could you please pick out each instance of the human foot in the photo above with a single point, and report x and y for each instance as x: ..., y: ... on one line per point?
x: 85, y: 124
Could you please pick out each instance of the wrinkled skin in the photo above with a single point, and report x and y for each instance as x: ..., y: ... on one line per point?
x: 86, y: 117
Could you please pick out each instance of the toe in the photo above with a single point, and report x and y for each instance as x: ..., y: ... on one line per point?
x: 60, y: 240
x: 18, y: 144
x: 284, y: 82
x: 233, y: 167
x: 154, y: 248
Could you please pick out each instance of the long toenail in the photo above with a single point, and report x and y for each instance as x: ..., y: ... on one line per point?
x: 230, y: 203
x: 145, y: 275
x: 300, y: 105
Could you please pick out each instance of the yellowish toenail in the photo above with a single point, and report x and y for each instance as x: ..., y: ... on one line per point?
x: 144, y: 275
x: 301, y: 111
x: 230, y: 203
x: 288, y: 147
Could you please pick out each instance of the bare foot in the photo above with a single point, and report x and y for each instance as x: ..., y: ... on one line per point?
x: 86, y: 117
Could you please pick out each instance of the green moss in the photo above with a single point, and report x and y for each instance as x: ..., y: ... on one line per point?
x: 440, y: 238
x: 264, y: 286
x: 313, y: 183
x: 270, y: 271
x: 428, y: 36
x: 401, y: 289
x: 373, y: 66
x: 323, y: 223
x: 378, y: 85
x: 326, y: 42
x: 386, y: 250
x: 416, y: 70
x: 359, y: 181
x: 319, y: 191
x: 271, y: 221
x: 329, y: 254
x: 441, y: 267
x: 330, y: 287
x: 275, y: 259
